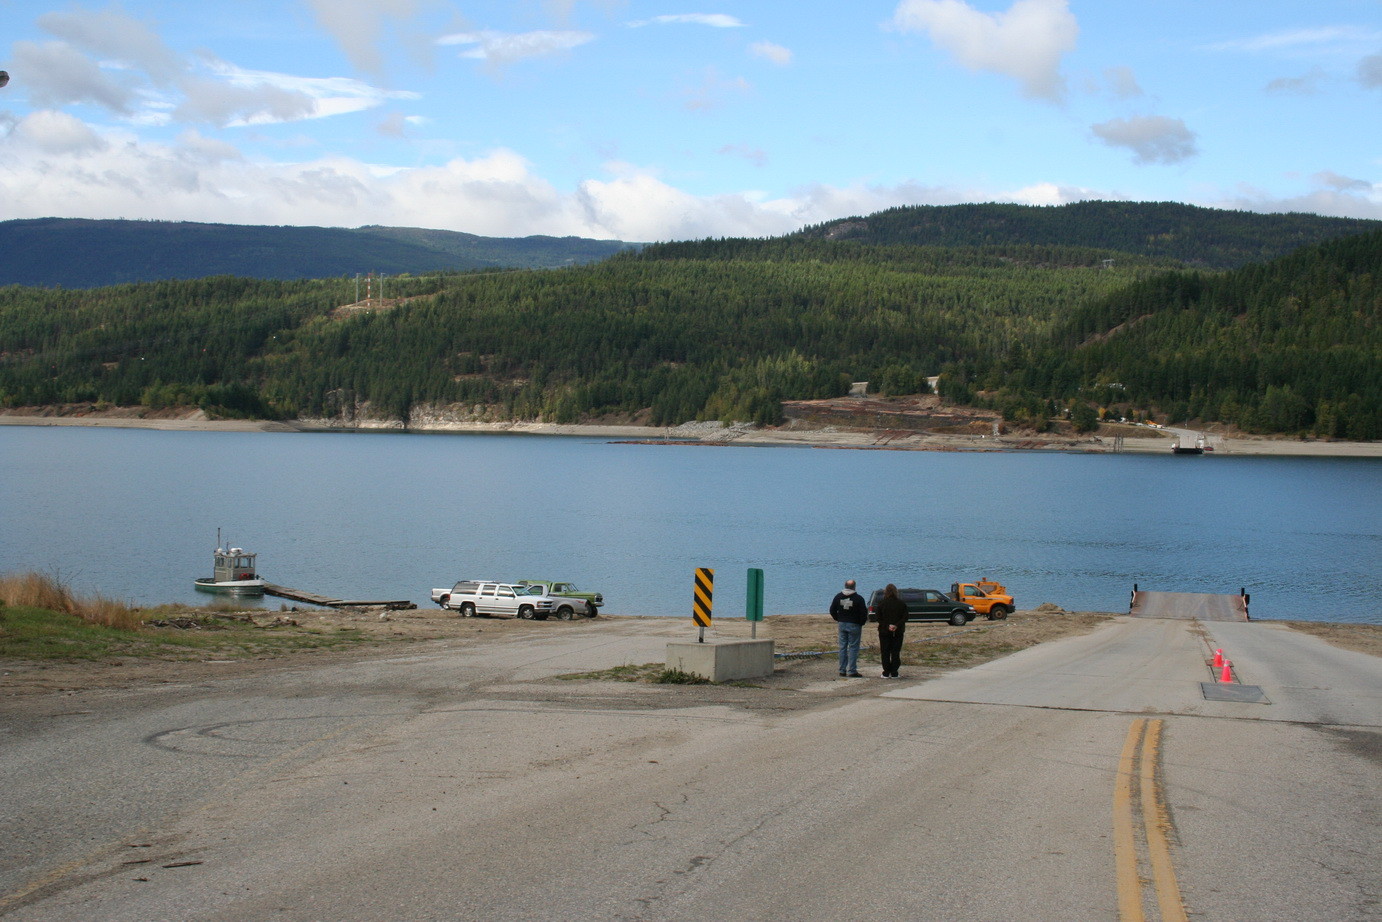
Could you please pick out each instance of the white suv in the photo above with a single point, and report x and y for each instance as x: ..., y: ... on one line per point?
x: 473, y: 597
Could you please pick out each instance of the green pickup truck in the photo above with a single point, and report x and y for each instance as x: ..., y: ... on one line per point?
x: 568, y: 598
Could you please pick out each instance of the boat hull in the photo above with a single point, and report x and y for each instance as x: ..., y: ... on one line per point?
x: 231, y: 587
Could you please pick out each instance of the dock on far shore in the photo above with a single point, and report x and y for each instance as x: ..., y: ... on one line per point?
x: 312, y: 598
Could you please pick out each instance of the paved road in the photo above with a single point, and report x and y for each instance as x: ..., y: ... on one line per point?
x: 469, y: 784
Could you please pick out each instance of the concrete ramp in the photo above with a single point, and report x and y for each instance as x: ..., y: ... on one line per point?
x: 1189, y: 606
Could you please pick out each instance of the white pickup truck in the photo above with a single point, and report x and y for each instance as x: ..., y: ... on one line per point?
x: 472, y: 597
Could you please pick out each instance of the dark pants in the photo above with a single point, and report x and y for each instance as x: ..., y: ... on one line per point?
x: 890, y: 647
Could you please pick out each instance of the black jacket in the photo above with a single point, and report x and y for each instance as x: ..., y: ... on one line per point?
x: 892, y: 611
x: 850, y: 607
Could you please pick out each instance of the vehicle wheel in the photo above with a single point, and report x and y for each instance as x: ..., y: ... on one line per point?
x: 565, y: 613
x: 958, y: 619
x: 443, y: 600
x: 525, y: 612
x: 998, y: 613
x: 467, y: 610
x: 590, y: 610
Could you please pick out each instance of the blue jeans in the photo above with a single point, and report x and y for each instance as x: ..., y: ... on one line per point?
x: 850, y: 635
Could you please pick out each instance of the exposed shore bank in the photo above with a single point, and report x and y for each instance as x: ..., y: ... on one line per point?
x: 1158, y: 442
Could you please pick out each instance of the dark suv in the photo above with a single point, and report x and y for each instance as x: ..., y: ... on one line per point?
x: 927, y: 605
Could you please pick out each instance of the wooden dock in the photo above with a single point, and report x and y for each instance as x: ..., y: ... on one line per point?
x: 312, y: 598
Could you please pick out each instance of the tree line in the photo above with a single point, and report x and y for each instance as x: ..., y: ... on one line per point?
x: 728, y: 329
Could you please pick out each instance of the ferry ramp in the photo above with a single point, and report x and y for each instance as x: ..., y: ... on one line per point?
x: 1189, y: 606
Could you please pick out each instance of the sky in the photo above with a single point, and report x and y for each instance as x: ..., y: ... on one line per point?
x: 646, y: 121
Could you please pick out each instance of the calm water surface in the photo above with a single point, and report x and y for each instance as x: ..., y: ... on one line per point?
x: 133, y: 514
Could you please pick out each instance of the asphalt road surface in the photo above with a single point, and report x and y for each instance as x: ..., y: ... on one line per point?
x: 1086, y: 779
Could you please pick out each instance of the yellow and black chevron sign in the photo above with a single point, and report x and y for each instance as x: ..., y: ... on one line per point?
x: 705, y: 589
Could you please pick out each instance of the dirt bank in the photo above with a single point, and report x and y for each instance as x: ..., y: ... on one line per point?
x: 1109, y: 439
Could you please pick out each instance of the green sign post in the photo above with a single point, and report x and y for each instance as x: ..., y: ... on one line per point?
x: 753, y: 607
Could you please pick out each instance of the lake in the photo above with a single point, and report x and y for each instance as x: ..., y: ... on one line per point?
x: 133, y: 514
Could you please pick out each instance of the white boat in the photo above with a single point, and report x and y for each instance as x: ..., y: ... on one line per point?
x: 232, y: 572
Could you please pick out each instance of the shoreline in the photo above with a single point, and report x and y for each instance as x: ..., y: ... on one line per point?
x: 715, y: 434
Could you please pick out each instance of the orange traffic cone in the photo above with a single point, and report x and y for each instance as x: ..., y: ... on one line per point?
x: 1227, y: 674
x: 1218, y: 658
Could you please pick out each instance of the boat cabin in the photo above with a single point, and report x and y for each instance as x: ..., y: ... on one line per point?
x: 232, y: 565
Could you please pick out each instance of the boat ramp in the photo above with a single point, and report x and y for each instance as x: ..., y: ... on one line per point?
x: 1189, y: 606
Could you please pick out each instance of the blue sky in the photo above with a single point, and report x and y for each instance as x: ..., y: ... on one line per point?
x: 668, y: 120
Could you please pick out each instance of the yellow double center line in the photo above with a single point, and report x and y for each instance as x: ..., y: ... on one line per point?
x: 1139, y: 783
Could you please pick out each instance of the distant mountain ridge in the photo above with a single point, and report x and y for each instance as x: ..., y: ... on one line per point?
x: 85, y: 253
x: 82, y: 253
x: 1206, y: 238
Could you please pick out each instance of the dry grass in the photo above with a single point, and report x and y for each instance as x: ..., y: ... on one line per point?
x: 36, y: 590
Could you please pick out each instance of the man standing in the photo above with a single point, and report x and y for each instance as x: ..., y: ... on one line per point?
x: 850, y: 612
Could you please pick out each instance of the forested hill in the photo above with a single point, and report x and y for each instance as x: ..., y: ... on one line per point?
x: 1199, y: 237
x: 1293, y: 345
x: 729, y: 329
x: 76, y: 253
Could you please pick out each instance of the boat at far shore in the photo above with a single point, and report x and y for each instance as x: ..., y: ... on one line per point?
x: 233, y: 571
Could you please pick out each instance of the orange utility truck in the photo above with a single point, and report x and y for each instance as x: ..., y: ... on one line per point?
x: 986, y: 597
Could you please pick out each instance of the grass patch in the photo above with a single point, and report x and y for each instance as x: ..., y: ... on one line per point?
x: 38, y: 633
x: 35, y: 590
x: 627, y: 673
x: 41, y: 619
x: 956, y: 654
x: 28, y: 633
x: 678, y: 677
x: 656, y: 673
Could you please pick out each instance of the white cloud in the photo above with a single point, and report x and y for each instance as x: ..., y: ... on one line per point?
x: 50, y: 132
x: 753, y: 155
x: 714, y: 20
x: 1337, y: 203
x: 1304, y: 85
x: 1026, y: 42
x: 507, y: 48
x: 227, y: 104
x: 257, y: 97
x: 1291, y: 40
x: 1151, y: 138
x: 357, y: 26
x: 1049, y: 193
x: 770, y: 51
x: 59, y: 166
x: 1370, y: 71
x: 56, y: 74
x: 393, y: 125
x: 713, y: 90
x: 145, y: 82
x: 198, y: 148
x: 116, y: 37
x: 1331, y: 180
x: 62, y: 168
x: 1122, y: 82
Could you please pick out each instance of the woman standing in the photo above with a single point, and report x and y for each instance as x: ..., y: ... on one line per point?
x: 892, y: 624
